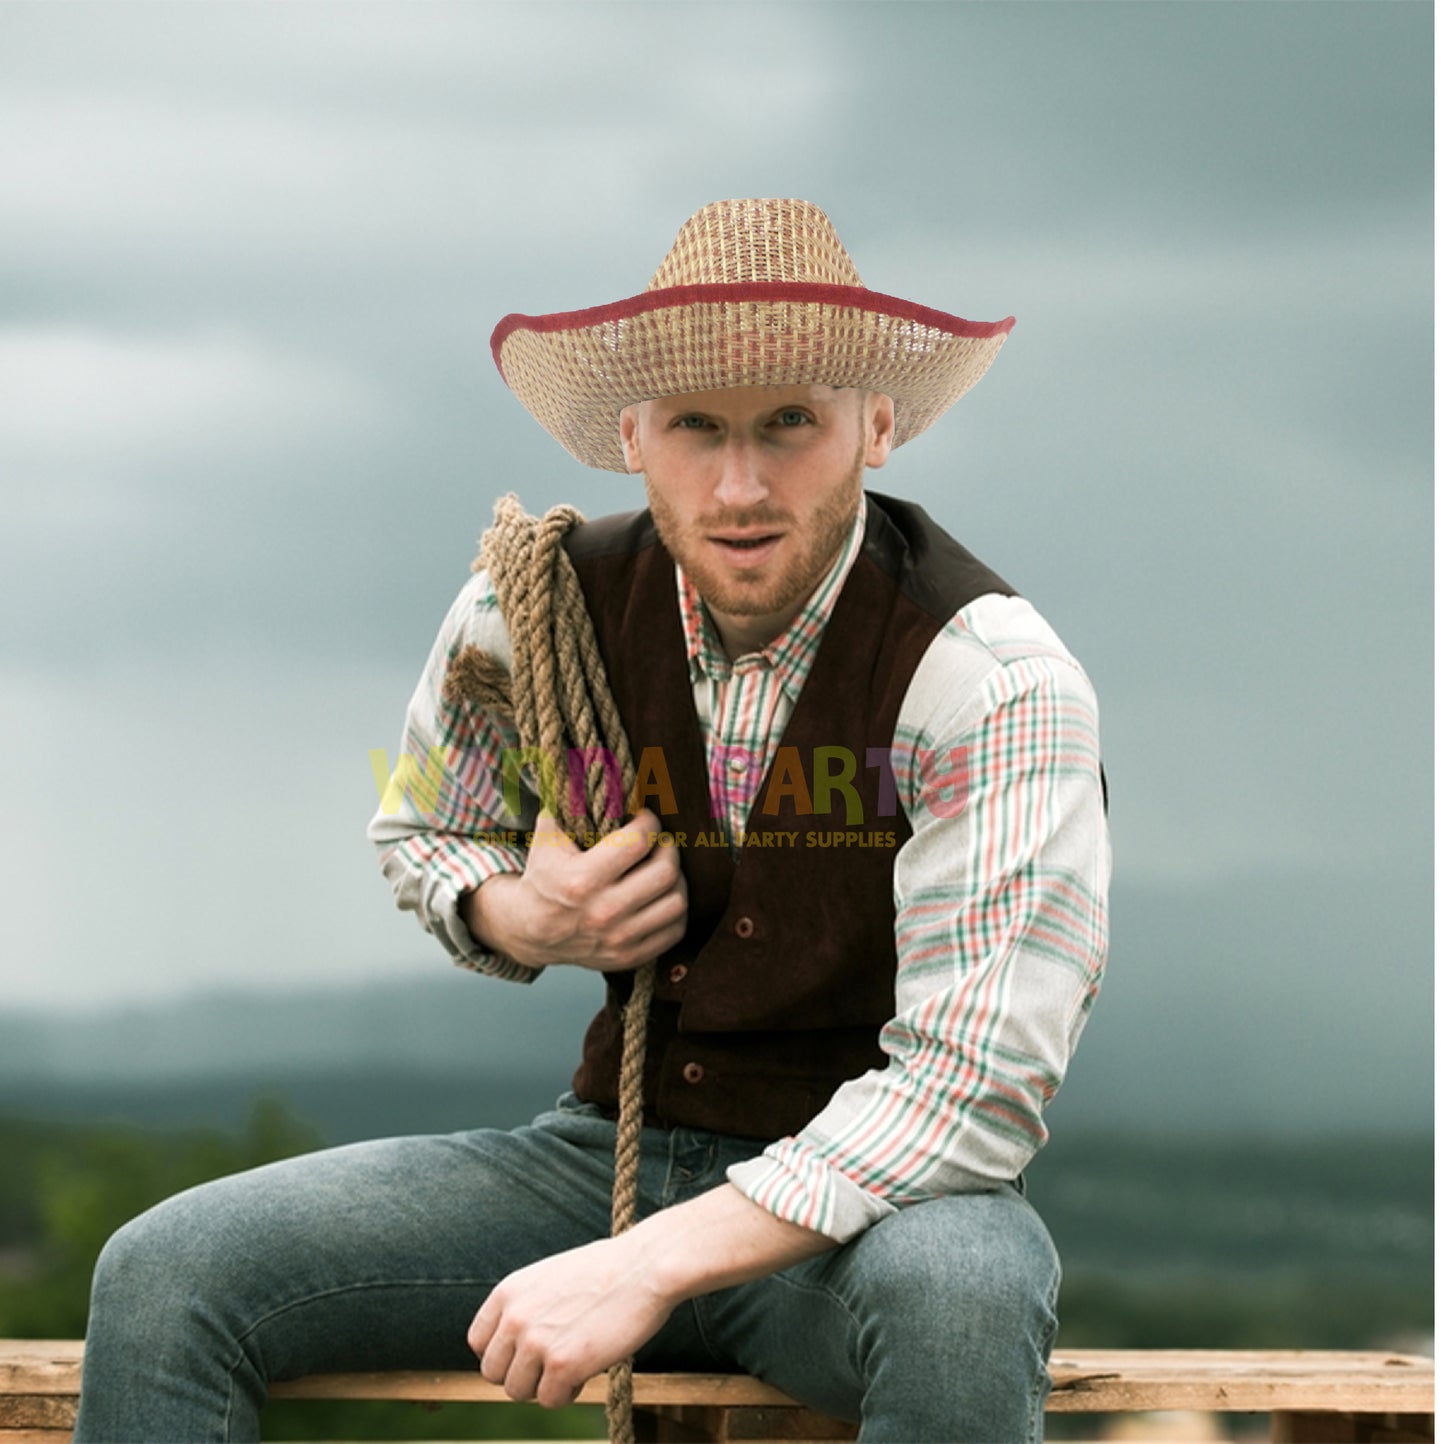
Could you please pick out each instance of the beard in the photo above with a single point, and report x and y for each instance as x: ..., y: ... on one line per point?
x: 814, y: 537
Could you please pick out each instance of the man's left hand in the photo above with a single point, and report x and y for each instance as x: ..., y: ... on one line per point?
x: 548, y: 1328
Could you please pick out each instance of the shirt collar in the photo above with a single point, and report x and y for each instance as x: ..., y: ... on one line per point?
x: 791, y: 652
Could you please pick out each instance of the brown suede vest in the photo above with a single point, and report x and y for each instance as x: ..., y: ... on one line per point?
x: 778, y: 991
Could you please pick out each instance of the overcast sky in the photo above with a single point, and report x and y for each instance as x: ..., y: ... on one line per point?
x: 250, y: 257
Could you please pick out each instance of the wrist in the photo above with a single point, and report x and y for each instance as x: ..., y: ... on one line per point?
x: 715, y: 1241
x: 666, y: 1257
x: 485, y: 916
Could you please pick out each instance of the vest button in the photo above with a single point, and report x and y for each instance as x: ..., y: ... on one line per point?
x: 743, y: 927
x: 693, y: 1072
x: 677, y: 973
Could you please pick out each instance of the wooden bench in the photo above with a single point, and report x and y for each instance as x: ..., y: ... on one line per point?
x: 1312, y: 1397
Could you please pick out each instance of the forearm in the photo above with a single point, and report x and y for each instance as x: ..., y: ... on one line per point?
x: 483, y: 909
x: 717, y: 1241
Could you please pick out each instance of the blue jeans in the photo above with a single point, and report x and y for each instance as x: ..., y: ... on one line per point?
x: 935, y: 1324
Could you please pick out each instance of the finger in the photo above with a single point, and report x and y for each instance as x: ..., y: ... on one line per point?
x: 622, y: 849
x: 648, y: 880
x: 550, y: 833
x: 484, y: 1325
x: 661, y: 852
x: 656, y: 944
x: 645, y: 950
x: 665, y: 915
x: 497, y: 1359
x: 555, y: 1390
x: 523, y: 1377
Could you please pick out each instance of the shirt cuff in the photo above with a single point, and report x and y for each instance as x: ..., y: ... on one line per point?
x: 436, y: 897
x: 488, y: 861
x: 791, y: 1182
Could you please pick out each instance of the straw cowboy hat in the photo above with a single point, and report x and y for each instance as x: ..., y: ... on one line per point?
x: 752, y: 293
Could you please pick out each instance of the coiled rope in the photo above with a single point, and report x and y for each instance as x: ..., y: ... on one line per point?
x: 558, y: 695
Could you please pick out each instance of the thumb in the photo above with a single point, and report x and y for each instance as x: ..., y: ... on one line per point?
x: 550, y: 833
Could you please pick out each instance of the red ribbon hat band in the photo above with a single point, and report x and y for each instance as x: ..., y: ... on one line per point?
x: 752, y: 293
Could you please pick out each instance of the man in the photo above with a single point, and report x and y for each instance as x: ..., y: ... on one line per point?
x: 873, y: 867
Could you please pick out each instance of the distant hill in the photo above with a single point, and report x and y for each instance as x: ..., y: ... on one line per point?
x: 444, y: 1021
x: 344, y: 1105
x: 448, y: 1050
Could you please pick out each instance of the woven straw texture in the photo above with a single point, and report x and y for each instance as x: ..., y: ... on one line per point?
x: 752, y: 293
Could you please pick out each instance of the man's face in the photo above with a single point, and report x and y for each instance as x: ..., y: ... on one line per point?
x: 753, y: 491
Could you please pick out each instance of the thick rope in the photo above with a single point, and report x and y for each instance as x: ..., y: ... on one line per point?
x: 558, y: 694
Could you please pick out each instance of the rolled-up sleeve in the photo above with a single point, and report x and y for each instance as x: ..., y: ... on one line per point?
x: 1001, y: 932
x: 444, y: 824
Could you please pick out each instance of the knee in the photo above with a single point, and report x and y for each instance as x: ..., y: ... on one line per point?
x: 158, y: 1267
x: 1015, y: 1270
x: 984, y: 1262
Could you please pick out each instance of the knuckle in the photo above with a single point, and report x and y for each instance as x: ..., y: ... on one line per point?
x: 545, y: 930
x: 560, y: 1362
x: 603, y: 925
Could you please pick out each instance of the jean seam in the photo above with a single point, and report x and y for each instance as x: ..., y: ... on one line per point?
x: 835, y: 1298
x: 312, y: 1298
x: 702, y: 1332
x: 1044, y: 1347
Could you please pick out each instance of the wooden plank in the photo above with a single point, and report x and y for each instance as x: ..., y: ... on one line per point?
x: 703, y: 1390
x: 1085, y: 1381
x: 37, y: 1411
x: 40, y: 1366
x: 1240, y: 1380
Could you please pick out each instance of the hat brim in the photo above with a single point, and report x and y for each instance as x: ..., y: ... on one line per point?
x: 576, y: 370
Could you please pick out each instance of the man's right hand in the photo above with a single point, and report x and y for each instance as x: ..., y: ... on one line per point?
x: 614, y: 906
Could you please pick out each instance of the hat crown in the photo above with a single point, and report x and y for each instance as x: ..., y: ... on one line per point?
x: 747, y: 241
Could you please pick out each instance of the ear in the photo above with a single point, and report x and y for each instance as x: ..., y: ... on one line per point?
x: 627, y: 428
x: 877, y: 428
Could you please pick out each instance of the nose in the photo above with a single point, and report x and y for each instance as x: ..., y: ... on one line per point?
x: 741, y: 480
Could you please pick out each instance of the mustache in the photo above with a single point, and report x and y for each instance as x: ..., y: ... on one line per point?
x: 758, y: 516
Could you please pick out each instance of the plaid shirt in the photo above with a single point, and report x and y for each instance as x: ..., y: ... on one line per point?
x: 999, y: 892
